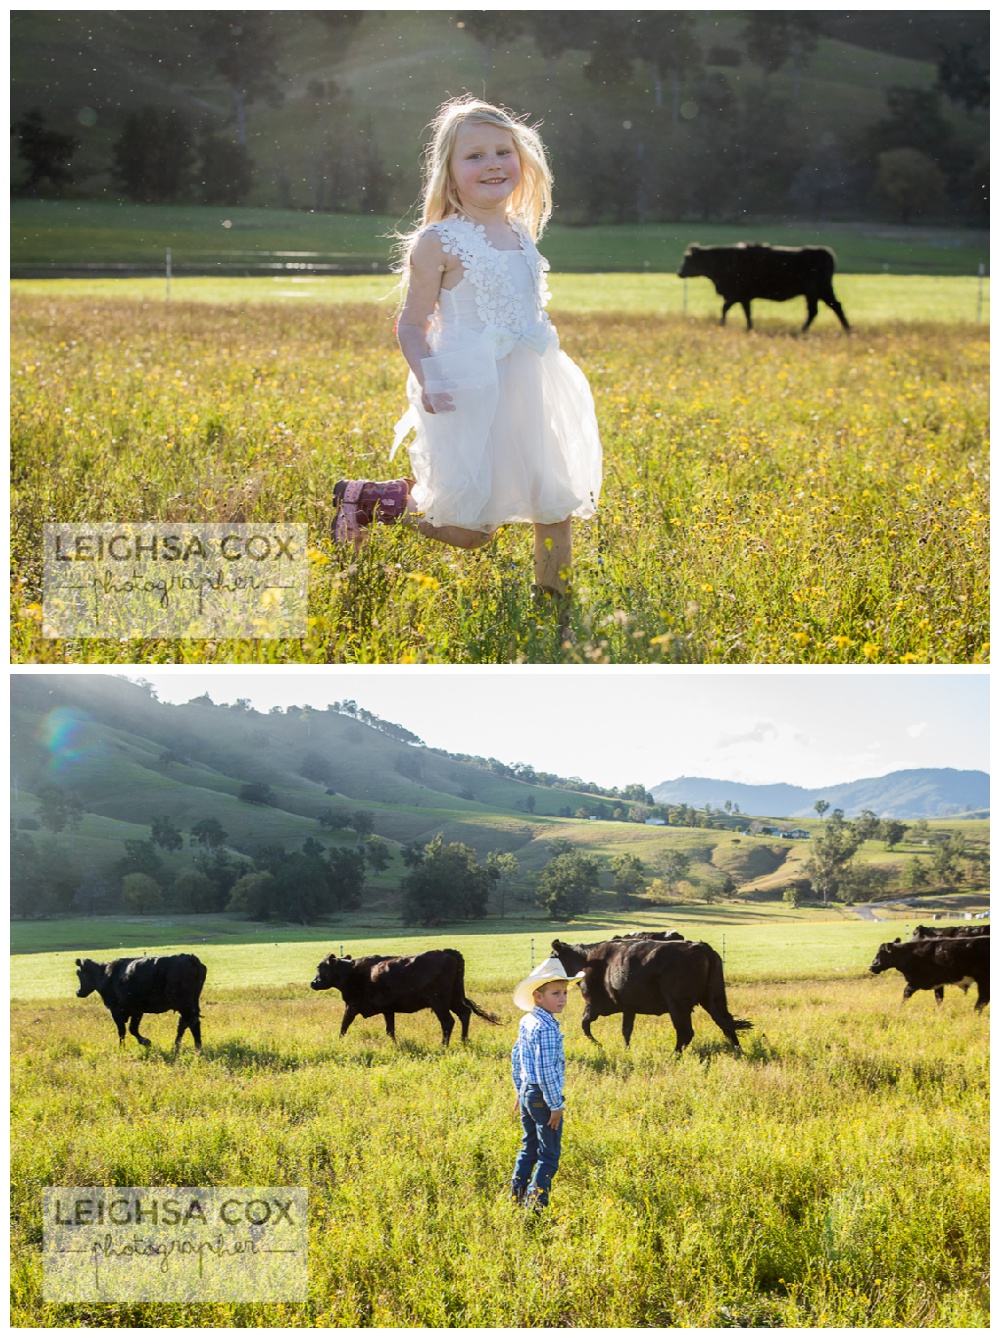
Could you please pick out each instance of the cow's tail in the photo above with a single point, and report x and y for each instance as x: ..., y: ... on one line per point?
x: 484, y: 1013
x: 716, y: 1004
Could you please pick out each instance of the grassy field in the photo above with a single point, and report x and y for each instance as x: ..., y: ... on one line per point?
x: 784, y: 1189
x: 57, y: 232
x: 767, y: 498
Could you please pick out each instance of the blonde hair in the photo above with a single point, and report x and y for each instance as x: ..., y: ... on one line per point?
x: 530, y: 203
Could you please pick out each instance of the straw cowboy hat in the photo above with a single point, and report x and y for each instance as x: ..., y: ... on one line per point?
x: 544, y: 974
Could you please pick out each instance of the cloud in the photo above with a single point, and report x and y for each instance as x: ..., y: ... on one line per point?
x: 915, y: 731
x: 760, y: 732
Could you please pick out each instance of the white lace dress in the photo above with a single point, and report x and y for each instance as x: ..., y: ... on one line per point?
x: 521, y: 443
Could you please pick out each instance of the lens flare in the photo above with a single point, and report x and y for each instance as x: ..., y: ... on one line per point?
x: 69, y: 738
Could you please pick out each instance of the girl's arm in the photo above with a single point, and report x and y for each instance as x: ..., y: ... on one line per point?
x: 429, y: 263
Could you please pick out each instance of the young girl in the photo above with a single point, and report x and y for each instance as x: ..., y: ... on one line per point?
x: 503, y: 421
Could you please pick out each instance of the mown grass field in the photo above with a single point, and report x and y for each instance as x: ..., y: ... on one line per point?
x: 786, y: 1188
x: 767, y: 498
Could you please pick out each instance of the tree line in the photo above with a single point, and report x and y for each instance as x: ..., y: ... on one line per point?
x: 441, y: 882
x: 693, y: 141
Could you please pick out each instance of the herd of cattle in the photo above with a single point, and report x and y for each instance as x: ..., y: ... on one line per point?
x: 652, y: 973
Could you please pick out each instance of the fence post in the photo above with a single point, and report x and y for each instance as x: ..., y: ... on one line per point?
x: 532, y: 955
x: 684, y: 309
x: 723, y: 950
x: 169, y: 271
x: 979, y: 298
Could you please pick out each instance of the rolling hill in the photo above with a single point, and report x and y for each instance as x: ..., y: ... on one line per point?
x: 932, y: 792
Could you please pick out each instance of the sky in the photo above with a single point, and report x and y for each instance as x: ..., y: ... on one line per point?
x: 618, y: 727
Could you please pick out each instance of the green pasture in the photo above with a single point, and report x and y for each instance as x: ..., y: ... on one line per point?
x: 867, y: 298
x: 759, y: 942
x: 91, y: 232
x: 787, y: 1188
x: 766, y: 499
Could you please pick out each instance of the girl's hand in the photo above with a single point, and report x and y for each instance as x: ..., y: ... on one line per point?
x: 437, y: 403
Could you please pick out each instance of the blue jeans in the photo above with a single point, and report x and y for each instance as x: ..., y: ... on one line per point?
x: 538, y: 1159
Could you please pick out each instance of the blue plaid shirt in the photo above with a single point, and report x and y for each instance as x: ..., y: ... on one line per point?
x: 537, y: 1057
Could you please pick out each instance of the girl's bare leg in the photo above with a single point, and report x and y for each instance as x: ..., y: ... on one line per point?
x: 554, y: 555
x: 453, y: 535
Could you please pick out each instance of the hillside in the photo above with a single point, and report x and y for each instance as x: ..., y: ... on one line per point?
x: 919, y: 793
x: 345, y: 104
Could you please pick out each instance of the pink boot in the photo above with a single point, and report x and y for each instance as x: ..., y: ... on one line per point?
x: 360, y: 502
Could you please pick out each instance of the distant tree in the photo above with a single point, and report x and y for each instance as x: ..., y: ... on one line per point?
x: 257, y: 792
x: 566, y: 885
x: 377, y: 854
x: 46, y: 153
x: 254, y: 893
x: 553, y: 31
x: 861, y: 882
x: 915, y: 121
x: 58, y: 809
x: 503, y: 868
x: 140, y: 857
x: 892, y: 831
x: 141, y: 893
x: 674, y: 866
x: 792, y: 895
x: 559, y: 845
x: 665, y: 39
x: 491, y: 28
x: 916, y: 875
x: 964, y: 76
x: 363, y: 823
x: 208, y: 832
x: 830, y: 852
x: 775, y: 38
x: 90, y: 892
x: 166, y: 834
x: 909, y: 182
x: 224, y: 175
x: 822, y: 807
x: 152, y: 161
x: 637, y: 792
x: 866, y: 824
x: 195, y: 891
x: 412, y: 853
x: 628, y: 872
x: 947, y: 857
x: 347, y: 876
x: 334, y: 818
x: 244, y: 46
x: 449, y: 883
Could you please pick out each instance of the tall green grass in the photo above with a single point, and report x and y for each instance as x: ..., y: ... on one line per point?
x: 767, y: 498
x: 835, y: 1176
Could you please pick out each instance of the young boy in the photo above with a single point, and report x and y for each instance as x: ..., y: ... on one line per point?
x: 538, y: 1068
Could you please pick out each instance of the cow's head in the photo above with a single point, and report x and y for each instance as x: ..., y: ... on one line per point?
x: 89, y: 974
x: 691, y: 265
x: 332, y: 973
x: 884, y: 958
x: 572, y: 958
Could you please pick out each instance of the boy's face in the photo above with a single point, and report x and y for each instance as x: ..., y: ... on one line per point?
x: 552, y: 997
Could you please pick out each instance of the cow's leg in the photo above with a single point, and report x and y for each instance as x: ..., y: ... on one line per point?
x: 120, y: 1020
x: 813, y: 310
x: 984, y: 993
x: 448, y: 1024
x: 628, y: 1022
x: 390, y: 1025
x: 465, y: 1017
x: 133, y: 1027
x: 349, y: 1015
x: 746, y: 312
x: 939, y: 995
x: 837, y: 310
x: 910, y: 990
x: 681, y: 1018
x: 189, y: 1023
x: 725, y: 310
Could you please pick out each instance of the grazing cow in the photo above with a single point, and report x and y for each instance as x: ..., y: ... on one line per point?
x: 930, y: 964
x: 132, y: 986
x: 657, y: 935
x: 951, y: 931
x: 749, y: 270
x: 651, y: 977
x: 391, y: 985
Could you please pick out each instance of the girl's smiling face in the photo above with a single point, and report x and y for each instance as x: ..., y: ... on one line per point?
x: 485, y: 166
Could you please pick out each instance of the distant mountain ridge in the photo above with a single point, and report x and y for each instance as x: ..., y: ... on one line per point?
x: 925, y: 792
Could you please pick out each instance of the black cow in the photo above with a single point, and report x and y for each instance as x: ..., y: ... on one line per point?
x: 750, y: 270
x: 644, y: 976
x: 930, y: 964
x: 391, y: 985
x: 132, y: 986
x: 655, y: 935
x: 951, y: 931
